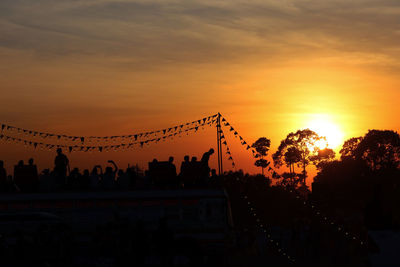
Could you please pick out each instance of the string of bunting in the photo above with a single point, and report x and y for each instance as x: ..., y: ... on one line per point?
x: 237, y: 135
x: 9, y: 128
x: 312, y: 206
x: 228, y: 151
x: 117, y: 147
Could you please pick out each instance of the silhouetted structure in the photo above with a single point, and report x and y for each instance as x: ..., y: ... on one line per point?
x: 61, y: 165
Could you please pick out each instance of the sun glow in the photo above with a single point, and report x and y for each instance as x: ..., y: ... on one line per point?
x: 325, y: 127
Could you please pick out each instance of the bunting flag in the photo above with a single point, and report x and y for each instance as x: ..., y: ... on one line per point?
x: 228, y: 151
x: 17, y: 130
x: 99, y: 148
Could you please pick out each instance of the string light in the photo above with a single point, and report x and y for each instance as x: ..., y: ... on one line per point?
x: 276, y: 175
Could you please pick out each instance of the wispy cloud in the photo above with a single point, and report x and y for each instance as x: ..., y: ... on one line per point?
x: 162, y: 32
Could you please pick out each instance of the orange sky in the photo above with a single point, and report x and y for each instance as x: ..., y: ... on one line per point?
x: 110, y: 67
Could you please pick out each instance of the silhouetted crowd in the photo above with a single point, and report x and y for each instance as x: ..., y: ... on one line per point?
x: 160, y: 174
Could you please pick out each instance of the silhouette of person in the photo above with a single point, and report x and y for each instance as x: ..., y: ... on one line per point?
x: 204, y: 162
x: 172, y: 166
x: 109, y: 176
x: 74, y: 179
x: 95, y: 177
x: 3, y: 177
x: 214, y: 179
x: 185, y: 166
x: 84, y: 183
x: 46, y: 181
x: 185, y: 170
x: 61, y: 163
x: 123, y: 180
x: 131, y: 173
x: 33, y: 175
x: 19, y: 175
x: 172, y: 179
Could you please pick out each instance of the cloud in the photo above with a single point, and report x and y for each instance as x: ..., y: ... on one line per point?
x: 142, y: 34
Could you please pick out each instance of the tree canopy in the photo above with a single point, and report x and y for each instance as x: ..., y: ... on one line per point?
x: 262, y: 146
x: 300, y: 149
x: 379, y: 149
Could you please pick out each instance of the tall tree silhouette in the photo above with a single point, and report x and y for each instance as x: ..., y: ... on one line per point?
x: 349, y: 147
x: 262, y: 146
x: 298, y: 149
x: 379, y: 149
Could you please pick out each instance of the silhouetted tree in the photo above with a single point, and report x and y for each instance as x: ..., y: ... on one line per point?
x: 262, y: 147
x: 323, y: 156
x: 367, y: 164
x: 290, y: 180
x: 379, y: 149
x: 298, y: 148
x: 348, y: 148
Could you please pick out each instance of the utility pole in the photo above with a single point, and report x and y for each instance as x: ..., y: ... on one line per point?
x: 219, y: 145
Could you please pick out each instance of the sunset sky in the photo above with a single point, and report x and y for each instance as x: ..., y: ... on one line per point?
x: 105, y: 67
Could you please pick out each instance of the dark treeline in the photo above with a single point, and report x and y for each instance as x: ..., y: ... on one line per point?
x: 363, y: 186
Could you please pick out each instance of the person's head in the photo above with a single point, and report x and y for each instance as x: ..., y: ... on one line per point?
x: 30, y: 161
x: 194, y: 159
x: 171, y: 159
x: 59, y: 151
x: 86, y: 172
x: 186, y: 158
x: 211, y: 151
x: 21, y: 163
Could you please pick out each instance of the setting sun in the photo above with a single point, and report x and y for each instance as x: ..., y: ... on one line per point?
x: 325, y: 127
